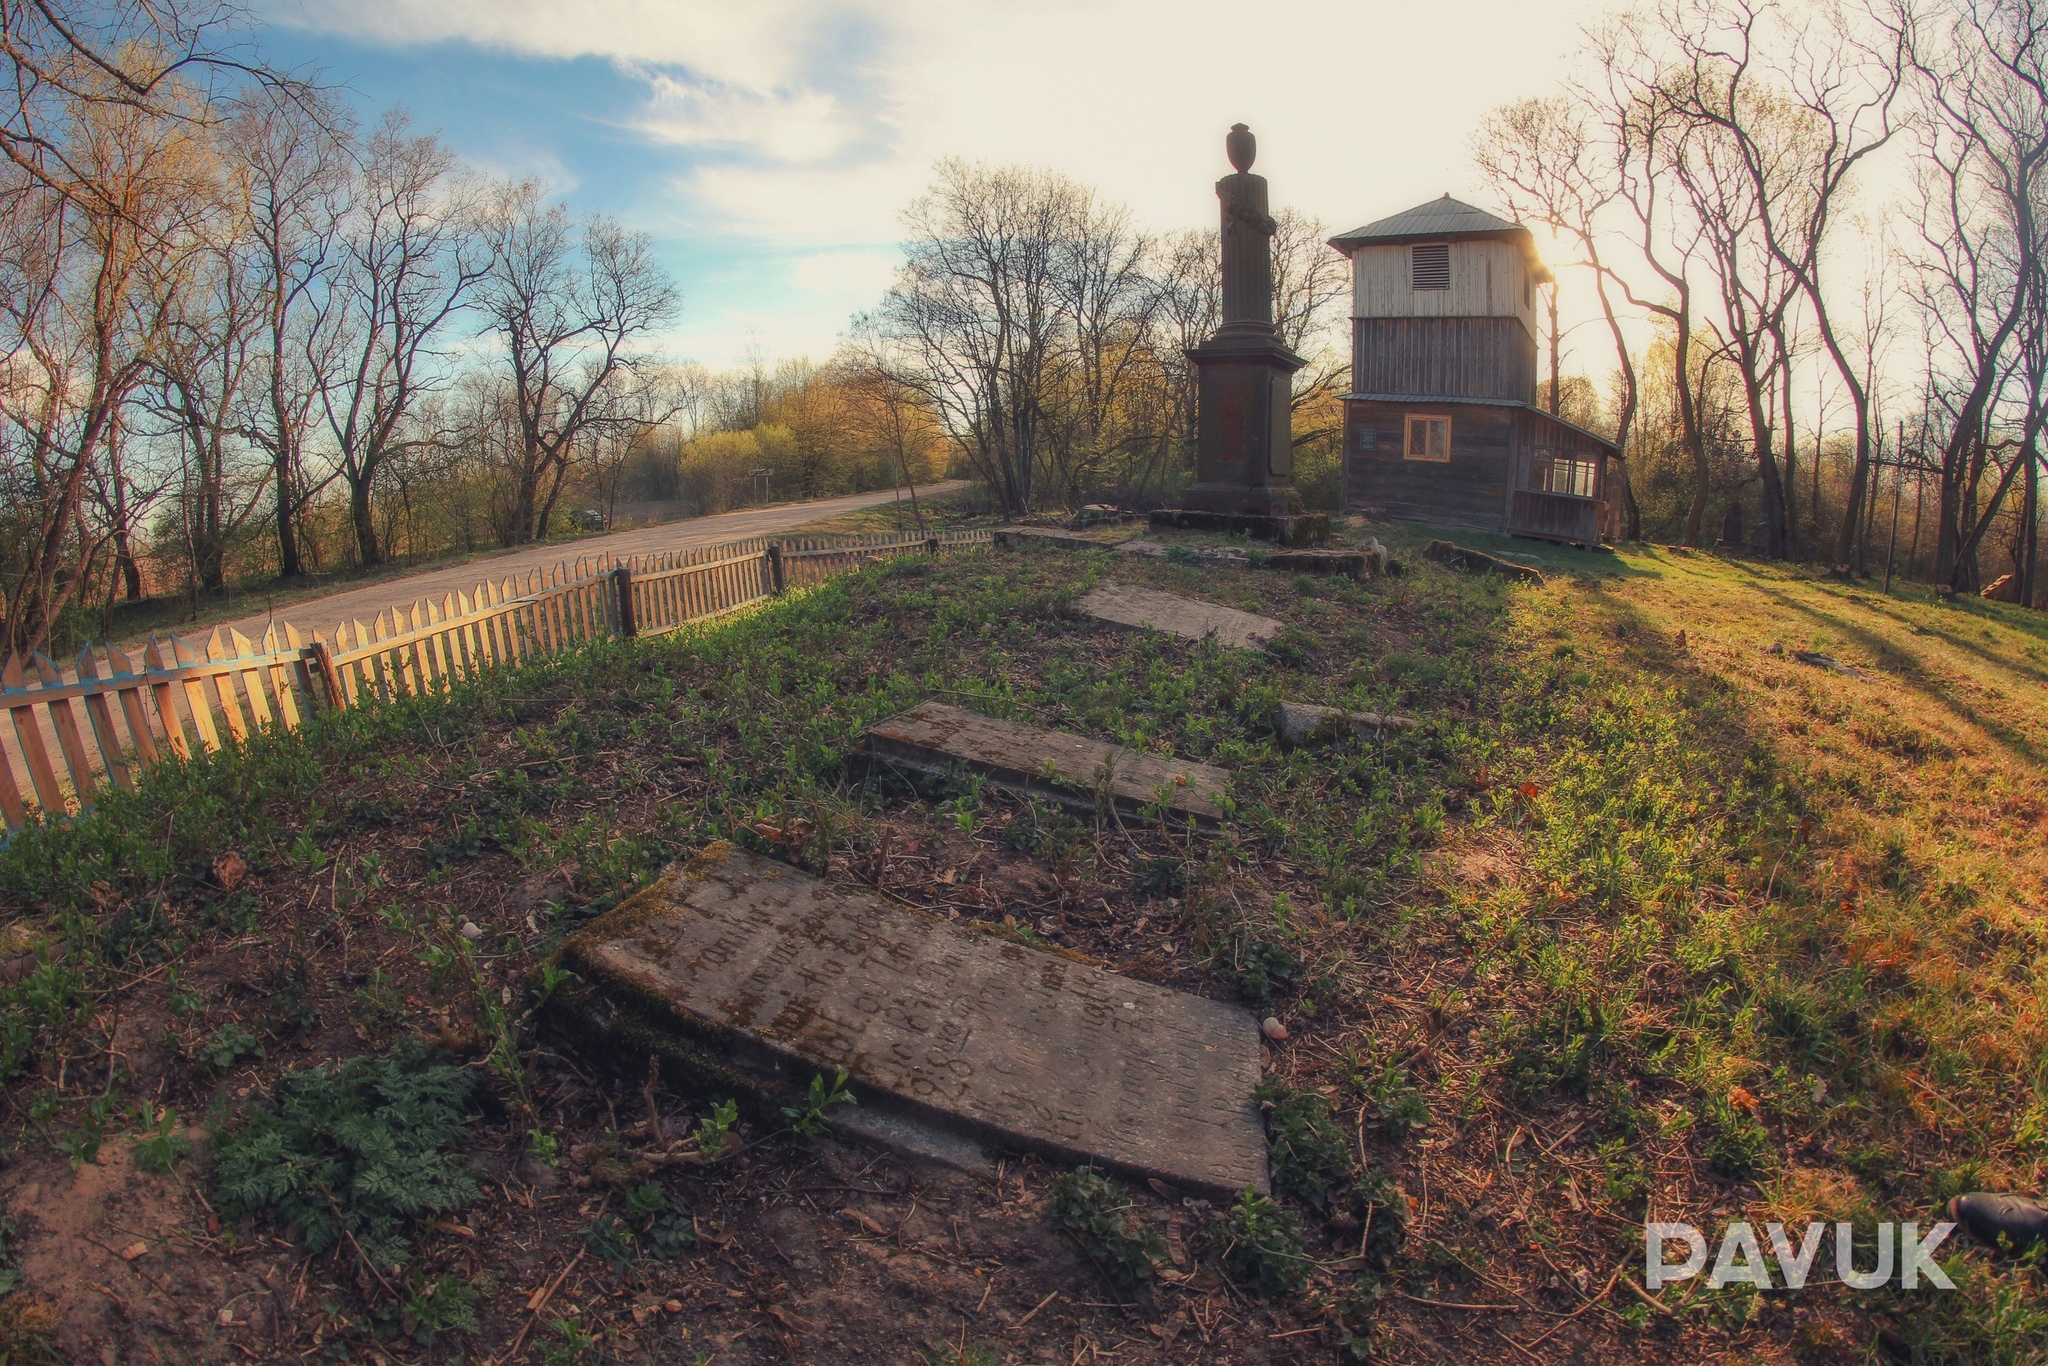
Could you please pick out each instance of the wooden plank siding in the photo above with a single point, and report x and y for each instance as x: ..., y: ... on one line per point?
x: 1490, y: 278
x: 1452, y: 357
x: 1469, y: 490
x: 1485, y: 485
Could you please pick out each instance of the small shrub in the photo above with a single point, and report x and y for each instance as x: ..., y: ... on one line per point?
x: 160, y: 1147
x: 610, y: 1241
x: 445, y: 1306
x: 1261, y: 968
x: 1398, y: 1104
x: 1309, y: 1152
x: 1099, y: 1211
x: 1260, y: 1246
x: 1558, y: 1049
x: 1160, y: 877
x: 1293, y: 647
x: 227, y: 1046
x: 1384, y: 1209
x: 357, y: 1148
x: 1736, y: 1145
x: 660, y: 1220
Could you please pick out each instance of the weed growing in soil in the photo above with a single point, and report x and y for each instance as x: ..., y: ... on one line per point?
x: 1308, y: 1152
x: 358, y: 1150
x: 1260, y: 1246
x: 1100, y: 1214
x: 160, y: 1145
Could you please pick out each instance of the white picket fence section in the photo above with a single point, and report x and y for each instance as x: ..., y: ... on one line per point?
x: 180, y: 698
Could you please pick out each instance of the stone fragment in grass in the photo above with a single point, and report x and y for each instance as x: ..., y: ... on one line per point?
x: 1304, y: 723
x: 736, y: 963
x: 1357, y: 564
x: 1815, y: 659
x: 1011, y: 537
x: 1073, y: 769
x: 1124, y: 605
x: 1479, y: 562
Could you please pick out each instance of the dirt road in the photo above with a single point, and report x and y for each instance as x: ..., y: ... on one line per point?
x: 321, y: 613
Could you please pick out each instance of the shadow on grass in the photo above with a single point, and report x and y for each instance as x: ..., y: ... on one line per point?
x: 1915, y: 676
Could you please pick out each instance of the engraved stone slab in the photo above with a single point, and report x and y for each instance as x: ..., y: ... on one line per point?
x: 933, y: 737
x: 791, y: 976
x: 1124, y: 605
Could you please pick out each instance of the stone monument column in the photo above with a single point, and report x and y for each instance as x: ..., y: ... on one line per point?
x: 1244, y: 459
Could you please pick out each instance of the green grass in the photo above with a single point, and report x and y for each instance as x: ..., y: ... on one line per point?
x: 1646, y: 914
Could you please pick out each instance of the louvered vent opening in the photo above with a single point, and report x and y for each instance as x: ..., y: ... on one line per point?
x: 1429, y: 265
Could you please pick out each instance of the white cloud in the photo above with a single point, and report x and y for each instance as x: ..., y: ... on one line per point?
x: 808, y: 125
x: 859, y: 274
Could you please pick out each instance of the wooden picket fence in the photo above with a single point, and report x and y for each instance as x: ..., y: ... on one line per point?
x: 179, y: 699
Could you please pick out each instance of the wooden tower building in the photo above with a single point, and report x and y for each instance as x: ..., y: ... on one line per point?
x: 1441, y: 424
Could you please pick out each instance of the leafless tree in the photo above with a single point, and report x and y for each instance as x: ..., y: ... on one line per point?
x: 1804, y: 94
x: 296, y: 173
x: 82, y: 314
x: 1643, y: 133
x: 972, y: 324
x: 1983, y: 76
x: 570, y: 304
x: 410, y: 258
x: 1548, y: 165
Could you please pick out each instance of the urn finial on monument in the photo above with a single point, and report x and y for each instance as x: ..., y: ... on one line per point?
x: 1240, y: 146
x: 1244, y: 443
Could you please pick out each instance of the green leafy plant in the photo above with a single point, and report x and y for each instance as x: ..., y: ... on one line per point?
x: 1160, y: 877
x: 572, y: 1343
x: 1310, y: 1153
x: 443, y: 1305
x: 10, y: 1274
x: 808, y: 1119
x: 182, y: 1000
x: 227, y: 1046
x: 1260, y: 1246
x: 1099, y: 1212
x: 1736, y: 1144
x: 660, y: 1220
x: 160, y: 1146
x: 715, y: 1136
x: 1397, y: 1102
x: 610, y: 1241
x: 1260, y: 967
x: 1377, y: 1201
x: 357, y: 1150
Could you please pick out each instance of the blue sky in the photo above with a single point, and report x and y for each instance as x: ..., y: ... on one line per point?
x: 769, y: 146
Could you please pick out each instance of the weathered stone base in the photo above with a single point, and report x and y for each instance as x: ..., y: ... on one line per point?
x: 1072, y: 769
x: 1305, y: 529
x: 1479, y: 562
x: 1122, y: 604
x: 757, y: 973
x: 1304, y: 723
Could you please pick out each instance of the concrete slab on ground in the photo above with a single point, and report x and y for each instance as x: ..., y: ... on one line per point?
x: 785, y: 976
x: 1122, y: 604
x: 934, y: 738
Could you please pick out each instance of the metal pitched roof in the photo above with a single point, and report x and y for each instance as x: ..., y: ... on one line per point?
x: 1446, y: 217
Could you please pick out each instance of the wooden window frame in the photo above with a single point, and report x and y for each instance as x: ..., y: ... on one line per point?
x: 1547, y: 463
x: 1408, y: 421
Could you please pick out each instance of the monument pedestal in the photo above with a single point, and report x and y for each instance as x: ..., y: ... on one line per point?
x: 1244, y: 441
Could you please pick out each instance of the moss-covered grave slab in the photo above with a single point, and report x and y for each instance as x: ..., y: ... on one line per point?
x: 935, y: 738
x: 1122, y: 604
x: 788, y: 976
